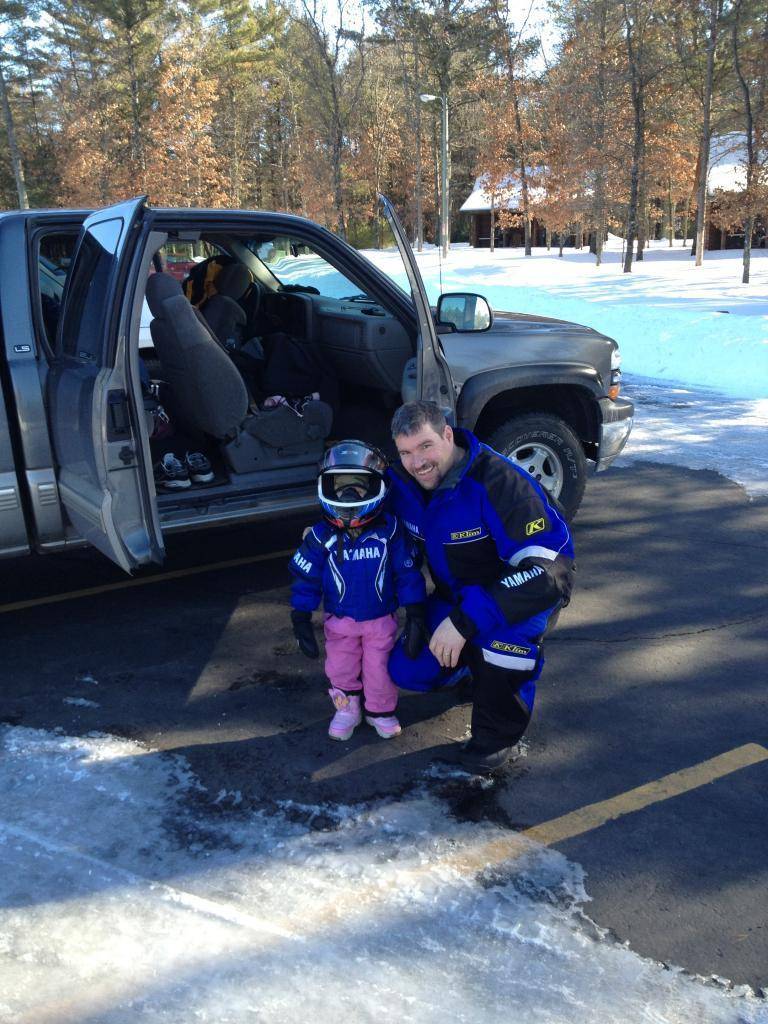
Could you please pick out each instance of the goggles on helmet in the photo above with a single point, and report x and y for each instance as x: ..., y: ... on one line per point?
x: 351, y: 485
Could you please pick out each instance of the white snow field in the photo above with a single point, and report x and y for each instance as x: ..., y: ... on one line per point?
x: 130, y: 894
x: 672, y: 320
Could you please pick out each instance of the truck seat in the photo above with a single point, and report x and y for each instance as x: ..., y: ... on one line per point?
x: 209, y: 395
x: 222, y: 311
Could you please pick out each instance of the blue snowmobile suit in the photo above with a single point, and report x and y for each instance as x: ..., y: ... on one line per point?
x: 363, y: 578
x: 501, y: 557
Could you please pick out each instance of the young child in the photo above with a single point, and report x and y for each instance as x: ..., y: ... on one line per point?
x: 359, y: 561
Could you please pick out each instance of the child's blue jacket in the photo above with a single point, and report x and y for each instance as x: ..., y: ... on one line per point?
x: 363, y: 578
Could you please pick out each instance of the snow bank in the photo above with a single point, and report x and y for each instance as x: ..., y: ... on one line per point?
x: 129, y: 894
x: 701, y: 429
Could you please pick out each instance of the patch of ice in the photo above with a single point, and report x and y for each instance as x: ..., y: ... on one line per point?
x: 701, y: 429
x: 128, y: 896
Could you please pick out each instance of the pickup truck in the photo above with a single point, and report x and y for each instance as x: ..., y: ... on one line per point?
x: 76, y: 462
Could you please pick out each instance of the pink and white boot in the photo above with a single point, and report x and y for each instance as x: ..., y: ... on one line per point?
x: 348, y: 714
x: 386, y: 726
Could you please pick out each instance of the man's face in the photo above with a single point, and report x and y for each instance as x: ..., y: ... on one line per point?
x: 427, y: 455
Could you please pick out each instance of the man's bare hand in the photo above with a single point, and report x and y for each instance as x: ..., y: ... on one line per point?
x: 447, y: 644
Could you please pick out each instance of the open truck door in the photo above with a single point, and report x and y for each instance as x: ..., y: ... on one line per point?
x: 13, y: 530
x: 95, y: 396
x: 433, y: 376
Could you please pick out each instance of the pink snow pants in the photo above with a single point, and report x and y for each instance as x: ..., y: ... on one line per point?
x: 356, y: 655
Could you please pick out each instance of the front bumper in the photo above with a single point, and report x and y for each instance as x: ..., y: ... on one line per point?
x: 616, y: 425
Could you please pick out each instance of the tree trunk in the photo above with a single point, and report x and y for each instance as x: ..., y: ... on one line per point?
x: 599, y: 239
x: 13, y: 148
x: 419, y: 181
x: 338, y: 193
x: 749, y: 131
x: 642, y: 223
x: 599, y: 213
x: 634, y: 184
x: 138, y: 154
x: 493, y: 224
x: 419, y: 185
x: 436, y: 157
x: 638, y: 142
x: 715, y: 8
x: 747, y: 252
x: 549, y: 239
x: 337, y: 148
x: 522, y: 162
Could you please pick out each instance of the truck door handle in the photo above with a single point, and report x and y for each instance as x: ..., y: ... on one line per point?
x: 118, y: 417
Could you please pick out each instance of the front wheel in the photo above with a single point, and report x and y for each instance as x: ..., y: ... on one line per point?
x: 547, y: 448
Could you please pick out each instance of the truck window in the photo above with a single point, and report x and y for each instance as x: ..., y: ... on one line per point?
x: 295, y: 265
x: 54, y: 256
x: 87, y: 302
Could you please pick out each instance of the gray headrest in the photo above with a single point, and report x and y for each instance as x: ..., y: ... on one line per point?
x: 233, y: 280
x: 159, y: 288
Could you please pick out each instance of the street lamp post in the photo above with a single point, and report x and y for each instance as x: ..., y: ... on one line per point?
x: 426, y: 97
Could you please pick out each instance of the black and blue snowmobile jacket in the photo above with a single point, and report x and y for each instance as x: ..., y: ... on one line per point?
x: 497, y: 548
x: 364, y: 578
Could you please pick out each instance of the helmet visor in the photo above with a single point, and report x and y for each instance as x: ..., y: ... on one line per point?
x: 348, y: 490
x: 354, y: 455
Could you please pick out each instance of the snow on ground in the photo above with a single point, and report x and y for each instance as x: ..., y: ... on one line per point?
x: 700, y: 429
x: 672, y: 320
x: 130, y: 894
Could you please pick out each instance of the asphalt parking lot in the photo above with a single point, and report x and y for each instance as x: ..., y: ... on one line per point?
x: 656, y: 672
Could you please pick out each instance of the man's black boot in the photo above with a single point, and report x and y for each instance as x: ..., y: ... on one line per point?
x: 484, y: 761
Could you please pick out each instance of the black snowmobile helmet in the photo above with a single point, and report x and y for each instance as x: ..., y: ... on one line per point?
x: 351, y: 486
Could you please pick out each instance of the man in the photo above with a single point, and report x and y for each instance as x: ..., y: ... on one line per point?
x: 501, y: 557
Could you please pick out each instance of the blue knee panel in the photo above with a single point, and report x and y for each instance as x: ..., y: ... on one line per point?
x: 511, y: 646
x: 425, y: 672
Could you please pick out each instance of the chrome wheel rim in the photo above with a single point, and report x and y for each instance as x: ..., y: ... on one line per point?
x: 542, y: 462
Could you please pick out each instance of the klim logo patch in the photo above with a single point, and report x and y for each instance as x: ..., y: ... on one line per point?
x: 535, y: 526
x: 467, y: 534
x: 499, y: 645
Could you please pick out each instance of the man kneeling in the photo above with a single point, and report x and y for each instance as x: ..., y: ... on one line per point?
x: 501, y: 558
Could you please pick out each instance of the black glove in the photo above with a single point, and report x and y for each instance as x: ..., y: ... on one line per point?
x: 305, y: 635
x: 416, y: 633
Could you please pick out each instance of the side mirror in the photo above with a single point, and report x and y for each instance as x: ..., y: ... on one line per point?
x: 464, y: 311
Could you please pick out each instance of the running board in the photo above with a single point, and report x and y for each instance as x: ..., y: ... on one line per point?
x: 221, y: 511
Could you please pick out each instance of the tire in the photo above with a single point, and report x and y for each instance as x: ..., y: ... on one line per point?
x: 547, y: 448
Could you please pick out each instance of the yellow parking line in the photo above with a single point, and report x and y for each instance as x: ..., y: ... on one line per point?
x: 177, y: 574
x: 588, y: 818
x: 496, y: 852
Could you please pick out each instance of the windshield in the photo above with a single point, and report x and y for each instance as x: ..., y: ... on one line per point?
x: 297, y: 267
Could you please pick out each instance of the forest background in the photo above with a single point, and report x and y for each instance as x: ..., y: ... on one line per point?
x: 311, y: 108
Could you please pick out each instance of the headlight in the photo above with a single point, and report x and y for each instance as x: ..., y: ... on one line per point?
x: 615, y: 384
